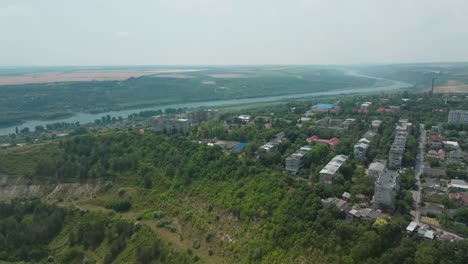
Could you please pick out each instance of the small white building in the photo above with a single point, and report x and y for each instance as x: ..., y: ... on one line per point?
x: 244, y: 118
x: 411, y: 227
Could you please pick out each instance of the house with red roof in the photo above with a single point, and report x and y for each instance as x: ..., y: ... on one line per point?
x: 461, y: 198
x: 331, y: 142
x: 436, y: 142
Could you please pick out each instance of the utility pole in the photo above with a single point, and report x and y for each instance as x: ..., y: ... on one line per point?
x: 432, y: 90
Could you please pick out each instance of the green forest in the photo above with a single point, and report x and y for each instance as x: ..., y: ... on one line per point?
x: 281, y: 220
x: 37, y: 232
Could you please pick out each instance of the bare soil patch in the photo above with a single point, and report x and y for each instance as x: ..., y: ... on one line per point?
x: 452, y: 87
x: 82, y: 76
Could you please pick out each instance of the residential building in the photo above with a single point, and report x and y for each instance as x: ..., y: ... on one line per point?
x: 395, y: 156
x: 436, y: 142
x: 365, y: 105
x: 375, y: 125
x: 456, y: 155
x: 273, y: 144
x: 360, y: 149
x: 412, y: 227
x: 348, y: 122
x: 458, y: 117
x: 394, y: 108
x: 377, y: 168
x: 325, y: 108
x: 436, y: 130
x: 295, y: 162
x: 370, y: 135
x: 458, y: 185
x: 329, y: 172
x: 459, y: 197
x: 244, y: 118
x: 168, y: 125
x: 435, y: 172
x: 201, y: 115
x: 451, y: 145
x: 385, y: 190
x: 339, y: 203
x: 269, y: 147
x: 331, y: 142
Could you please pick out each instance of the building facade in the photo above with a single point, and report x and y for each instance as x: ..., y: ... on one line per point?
x: 170, y: 125
x: 328, y: 173
x: 377, y: 168
x: 295, y: 162
x: 385, y: 190
x: 458, y: 117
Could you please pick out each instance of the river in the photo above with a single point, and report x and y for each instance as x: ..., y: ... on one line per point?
x: 84, y: 118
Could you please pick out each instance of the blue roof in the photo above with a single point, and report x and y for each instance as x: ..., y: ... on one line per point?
x: 327, y: 106
x: 241, y: 145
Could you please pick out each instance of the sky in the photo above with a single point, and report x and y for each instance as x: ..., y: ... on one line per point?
x: 225, y: 32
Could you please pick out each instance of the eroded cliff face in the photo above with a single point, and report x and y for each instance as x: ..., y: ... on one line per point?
x: 13, y: 186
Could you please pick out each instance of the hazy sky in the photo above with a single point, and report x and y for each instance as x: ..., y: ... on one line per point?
x: 182, y: 32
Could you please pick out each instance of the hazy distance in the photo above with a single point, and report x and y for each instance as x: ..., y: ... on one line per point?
x: 195, y: 32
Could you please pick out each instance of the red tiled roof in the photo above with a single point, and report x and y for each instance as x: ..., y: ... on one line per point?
x: 332, y: 142
x: 459, y: 197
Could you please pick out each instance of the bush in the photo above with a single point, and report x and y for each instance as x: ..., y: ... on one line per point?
x: 163, y: 223
x: 72, y: 255
x: 208, y: 237
x: 119, y: 205
x: 196, y: 244
x: 257, y: 254
x: 158, y: 215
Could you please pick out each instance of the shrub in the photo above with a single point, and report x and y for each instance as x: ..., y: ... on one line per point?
x: 119, y: 205
x: 163, y: 223
x: 208, y: 237
x: 196, y: 244
x: 158, y: 215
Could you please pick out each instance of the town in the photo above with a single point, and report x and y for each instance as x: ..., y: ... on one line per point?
x: 378, y: 156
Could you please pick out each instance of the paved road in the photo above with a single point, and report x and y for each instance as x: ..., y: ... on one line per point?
x: 419, y: 168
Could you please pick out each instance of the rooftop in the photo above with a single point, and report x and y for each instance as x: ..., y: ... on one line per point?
x: 334, y: 165
x: 325, y: 106
x: 387, y: 179
x: 377, y: 166
x: 412, y: 226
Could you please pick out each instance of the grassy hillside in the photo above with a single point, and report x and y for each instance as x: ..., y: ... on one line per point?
x: 231, y: 207
x: 33, y: 231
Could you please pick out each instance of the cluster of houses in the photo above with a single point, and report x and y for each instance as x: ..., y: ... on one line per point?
x: 353, y: 212
x: 424, y: 231
x: 444, y: 150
